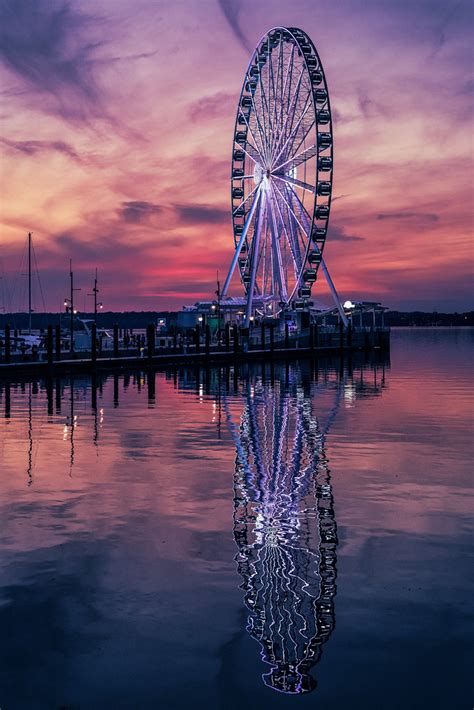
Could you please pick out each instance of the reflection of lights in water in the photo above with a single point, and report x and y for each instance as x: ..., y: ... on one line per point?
x: 349, y: 395
x: 201, y: 392
x: 101, y: 416
x: 286, y: 533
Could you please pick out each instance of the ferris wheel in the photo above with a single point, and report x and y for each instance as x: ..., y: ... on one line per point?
x: 281, y: 180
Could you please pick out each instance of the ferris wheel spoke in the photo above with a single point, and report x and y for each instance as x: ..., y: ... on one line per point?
x: 259, y: 148
x: 294, y: 181
x: 290, y: 111
x: 299, y: 158
x: 245, y: 200
x: 295, y: 254
x: 263, y: 109
x: 290, y: 207
x: 252, y: 149
x: 277, y: 262
x: 292, y: 240
x: 298, y: 112
x: 261, y: 133
x: 268, y: 65
x: 253, y: 157
x: 302, y: 111
x: 302, y: 209
x: 272, y: 108
x: 287, y: 89
x: 278, y: 81
x: 254, y: 259
x: 302, y: 140
x: 304, y: 215
x: 299, y: 238
x: 264, y: 106
x: 283, y: 93
x: 293, y: 131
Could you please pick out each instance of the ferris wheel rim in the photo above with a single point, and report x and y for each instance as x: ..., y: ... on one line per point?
x: 258, y: 149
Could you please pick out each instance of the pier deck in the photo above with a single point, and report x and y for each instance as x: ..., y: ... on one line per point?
x: 295, y: 348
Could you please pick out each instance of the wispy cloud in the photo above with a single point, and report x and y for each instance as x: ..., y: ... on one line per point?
x: 48, y: 47
x: 33, y: 147
x: 137, y: 211
x: 202, y: 214
x: 230, y: 8
x: 215, y: 106
x: 420, y: 216
x: 339, y: 234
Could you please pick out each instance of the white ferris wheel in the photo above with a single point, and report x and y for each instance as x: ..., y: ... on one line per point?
x: 281, y: 180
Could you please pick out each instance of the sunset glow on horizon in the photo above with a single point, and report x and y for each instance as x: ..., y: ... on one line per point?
x: 117, y: 123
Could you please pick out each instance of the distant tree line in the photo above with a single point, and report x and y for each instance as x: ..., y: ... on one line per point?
x: 419, y: 318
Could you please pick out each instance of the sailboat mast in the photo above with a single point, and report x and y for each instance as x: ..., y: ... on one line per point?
x: 95, y: 297
x: 71, y: 301
x: 29, y: 283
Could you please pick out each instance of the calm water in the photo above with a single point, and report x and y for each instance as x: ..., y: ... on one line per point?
x: 257, y: 539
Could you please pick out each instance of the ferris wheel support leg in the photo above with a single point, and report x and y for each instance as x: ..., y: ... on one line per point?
x: 239, y: 246
x: 332, y: 288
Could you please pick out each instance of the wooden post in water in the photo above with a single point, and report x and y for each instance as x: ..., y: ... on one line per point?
x: 311, y: 337
x: 272, y: 337
x: 49, y: 388
x: 341, y: 334
x: 57, y: 395
x: 263, y: 334
x: 197, y: 336
x: 49, y: 345
x: 57, y: 337
x: 150, y: 340
x: 116, y: 340
x: 316, y: 335
x: 287, y: 336
x: 208, y: 339
x: 7, y: 343
x: 151, y: 387
x: 227, y: 337
x: 7, y: 400
x: 236, y: 338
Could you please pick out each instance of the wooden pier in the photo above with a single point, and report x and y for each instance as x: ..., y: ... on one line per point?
x: 235, y: 346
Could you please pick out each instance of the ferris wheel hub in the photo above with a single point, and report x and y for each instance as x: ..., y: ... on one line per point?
x: 258, y: 173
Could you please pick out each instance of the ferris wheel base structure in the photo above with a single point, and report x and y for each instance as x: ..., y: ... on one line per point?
x: 281, y: 177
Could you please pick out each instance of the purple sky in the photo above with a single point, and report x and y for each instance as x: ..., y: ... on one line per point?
x: 117, y: 122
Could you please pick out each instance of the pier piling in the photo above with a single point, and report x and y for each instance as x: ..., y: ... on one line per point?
x: 49, y: 345
x: 7, y: 343
x: 57, y: 344
x: 116, y: 340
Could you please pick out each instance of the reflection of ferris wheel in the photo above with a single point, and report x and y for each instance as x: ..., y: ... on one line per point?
x: 281, y: 174
x: 285, y: 529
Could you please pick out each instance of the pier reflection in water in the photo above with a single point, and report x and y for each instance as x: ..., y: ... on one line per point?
x: 198, y: 521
